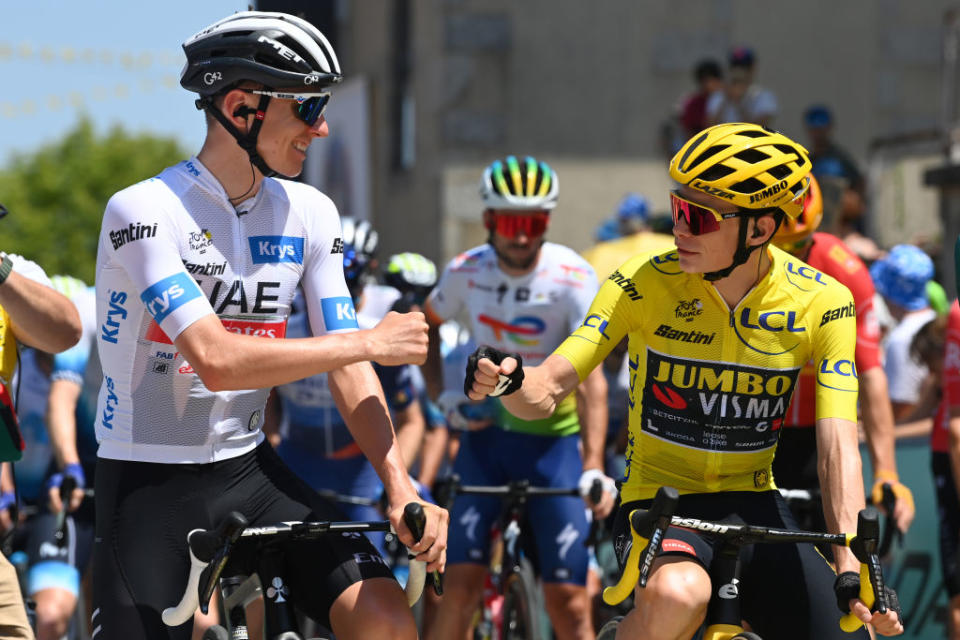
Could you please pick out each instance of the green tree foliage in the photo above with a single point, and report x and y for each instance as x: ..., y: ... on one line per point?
x: 56, y: 195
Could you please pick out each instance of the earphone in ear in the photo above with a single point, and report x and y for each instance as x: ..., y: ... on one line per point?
x: 757, y: 232
x: 243, y: 111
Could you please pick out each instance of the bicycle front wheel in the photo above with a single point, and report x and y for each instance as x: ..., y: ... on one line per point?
x: 521, y: 609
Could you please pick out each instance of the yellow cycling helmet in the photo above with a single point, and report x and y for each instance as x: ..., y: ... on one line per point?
x: 748, y: 165
x: 793, y: 233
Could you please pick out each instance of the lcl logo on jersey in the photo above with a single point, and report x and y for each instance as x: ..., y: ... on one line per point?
x: 802, y: 276
x: 837, y: 374
x: 516, y: 329
x: 593, y: 329
x: 275, y: 249
x: 668, y: 263
x: 777, y: 322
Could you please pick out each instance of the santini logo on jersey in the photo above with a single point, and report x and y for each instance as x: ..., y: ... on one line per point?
x: 626, y: 284
x: 208, y: 269
x: 269, y: 249
x: 338, y: 313
x: 170, y: 293
x: 696, y: 337
x: 849, y: 311
x: 132, y: 233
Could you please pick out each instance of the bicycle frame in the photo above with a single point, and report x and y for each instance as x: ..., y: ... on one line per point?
x: 648, y: 528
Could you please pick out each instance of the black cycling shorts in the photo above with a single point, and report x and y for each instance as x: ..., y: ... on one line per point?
x: 145, y: 510
x: 786, y: 590
x: 948, y: 512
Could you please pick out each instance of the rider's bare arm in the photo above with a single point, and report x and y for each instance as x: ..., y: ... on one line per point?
x: 841, y: 481
x: 40, y: 316
x: 544, y: 385
x: 592, y: 408
x: 226, y: 361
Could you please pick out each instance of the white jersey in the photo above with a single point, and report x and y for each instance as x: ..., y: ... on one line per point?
x: 173, y: 250
x: 529, y: 314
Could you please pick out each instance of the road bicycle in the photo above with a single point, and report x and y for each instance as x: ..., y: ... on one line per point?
x: 210, y: 551
x: 512, y: 606
x: 723, y: 621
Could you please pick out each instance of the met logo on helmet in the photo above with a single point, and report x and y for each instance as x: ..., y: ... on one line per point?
x: 283, y: 50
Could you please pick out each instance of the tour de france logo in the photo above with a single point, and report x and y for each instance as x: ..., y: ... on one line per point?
x: 688, y: 310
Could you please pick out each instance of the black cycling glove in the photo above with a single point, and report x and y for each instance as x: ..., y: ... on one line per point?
x: 507, y: 384
x: 847, y: 588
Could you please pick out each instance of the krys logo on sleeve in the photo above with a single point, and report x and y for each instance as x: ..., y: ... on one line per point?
x: 272, y: 249
x: 163, y: 297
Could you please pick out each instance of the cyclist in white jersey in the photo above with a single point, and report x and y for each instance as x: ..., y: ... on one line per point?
x: 196, y: 272
x: 523, y: 294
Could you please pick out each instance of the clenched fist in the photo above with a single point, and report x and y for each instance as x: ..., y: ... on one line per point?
x: 400, y: 338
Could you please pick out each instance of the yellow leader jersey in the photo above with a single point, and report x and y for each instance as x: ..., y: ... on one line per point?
x: 710, y: 385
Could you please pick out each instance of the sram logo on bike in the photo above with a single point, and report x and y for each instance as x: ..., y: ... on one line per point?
x: 838, y: 374
x: 271, y: 249
x: 714, y: 405
x: 162, y: 298
x: 338, y: 313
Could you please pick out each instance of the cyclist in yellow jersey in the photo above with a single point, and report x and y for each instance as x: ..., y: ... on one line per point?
x: 715, y: 347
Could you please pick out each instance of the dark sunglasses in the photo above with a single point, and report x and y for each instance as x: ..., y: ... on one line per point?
x: 307, y: 106
x: 510, y: 225
x: 699, y: 218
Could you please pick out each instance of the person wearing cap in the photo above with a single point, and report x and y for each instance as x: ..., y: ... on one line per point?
x: 718, y: 331
x: 197, y: 269
x: 901, y: 277
x: 742, y: 100
x: 632, y: 224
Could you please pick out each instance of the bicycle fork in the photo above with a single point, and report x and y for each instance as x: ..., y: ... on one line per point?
x: 723, y: 612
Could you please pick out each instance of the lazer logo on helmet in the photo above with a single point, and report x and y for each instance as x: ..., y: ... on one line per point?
x: 274, y: 249
x: 768, y: 192
x: 626, y: 284
x: 713, y: 191
x: 163, y: 297
x: 849, y: 311
x: 338, y: 313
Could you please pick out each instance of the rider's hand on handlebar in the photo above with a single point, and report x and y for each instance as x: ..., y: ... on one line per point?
x: 432, y: 547
x: 890, y: 623
x: 491, y: 372
x: 904, y: 510
x: 53, y: 488
x: 400, y: 339
x: 602, y: 508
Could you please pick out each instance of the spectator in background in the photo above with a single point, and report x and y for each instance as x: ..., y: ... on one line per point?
x: 741, y: 100
x: 901, y: 278
x: 693, y: 112
x: 841, y: 181
x: 937, y: 344
x: 632, y: 222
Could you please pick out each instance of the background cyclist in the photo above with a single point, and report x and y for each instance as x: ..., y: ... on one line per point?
x: 708, y: 394
x: 796, y: 462
x: 520, y: 291
x: 197, y: 269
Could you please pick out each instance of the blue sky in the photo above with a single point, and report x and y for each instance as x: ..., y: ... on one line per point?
x: 117, y: 61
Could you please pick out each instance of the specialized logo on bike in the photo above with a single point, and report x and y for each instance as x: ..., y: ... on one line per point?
x: 517, y: 330
x: 275, y: 249
x: 277, y: 591
x: 714, y: 405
